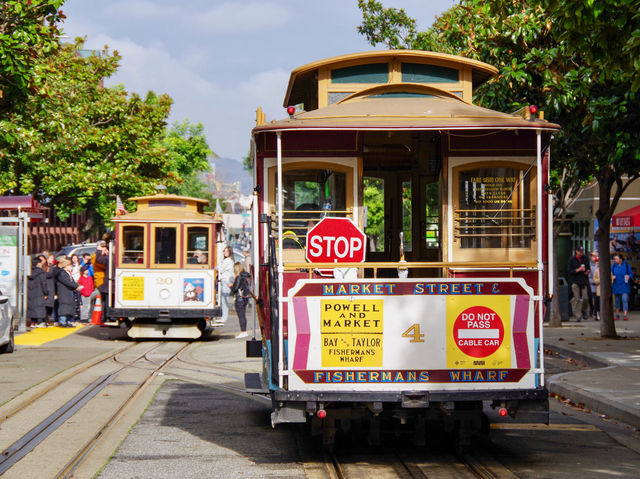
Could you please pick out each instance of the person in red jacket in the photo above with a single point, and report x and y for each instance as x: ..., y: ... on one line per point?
x: 86, y: 282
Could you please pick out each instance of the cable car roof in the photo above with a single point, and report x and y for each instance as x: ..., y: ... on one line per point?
x: 166, y: 207
x: 298, y: 81
x: 422, y: 108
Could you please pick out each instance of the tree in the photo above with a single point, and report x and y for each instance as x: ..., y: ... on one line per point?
x: 76, y: 144
x: 607, y: 31
x: 374, y: 203
x: 598, y: 112
x: 187, y: 149
x: 28, y: 33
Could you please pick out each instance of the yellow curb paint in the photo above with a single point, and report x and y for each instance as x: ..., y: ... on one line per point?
x: 39, y: 336
x: 544, y: 427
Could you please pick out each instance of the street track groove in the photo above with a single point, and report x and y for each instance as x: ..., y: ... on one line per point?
x: 82, y: 454
x: 36, y: 435
x: 416, y: 465
x: 60, y: 380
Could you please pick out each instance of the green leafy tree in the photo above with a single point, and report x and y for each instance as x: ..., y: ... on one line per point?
x: 76, y: 144
x: 187, y: 150
x: 28, y: 32
x: 374, y: 202
x: 537, y: 65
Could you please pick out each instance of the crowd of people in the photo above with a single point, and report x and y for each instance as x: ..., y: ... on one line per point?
x: 584, y: 279
x: 62, y: 291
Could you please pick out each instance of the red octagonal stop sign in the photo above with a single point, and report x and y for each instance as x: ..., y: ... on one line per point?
x: 335, y: 240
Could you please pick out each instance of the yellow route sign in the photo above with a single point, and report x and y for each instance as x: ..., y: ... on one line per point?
x: 132, y: 288
x: 351, y: 332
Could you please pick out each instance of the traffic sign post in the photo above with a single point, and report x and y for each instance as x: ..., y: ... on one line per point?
x: 335, y: 240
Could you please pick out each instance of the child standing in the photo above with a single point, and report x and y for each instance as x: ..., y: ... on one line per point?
x: 86, y: 281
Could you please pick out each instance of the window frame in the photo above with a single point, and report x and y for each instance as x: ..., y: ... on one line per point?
x: 185, y: 251
x: 152, y: 258
x: 500, y: 254
x: 145, y: 242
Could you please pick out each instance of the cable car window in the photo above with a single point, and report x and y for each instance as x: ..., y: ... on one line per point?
x: 310, y: 195
x: 374, y: 213
x: 495, y: 208
x: 406, y: 216
x: 197, y: 245
x: 165, y: 241
x: 133, y: 244
x: 432, y: 215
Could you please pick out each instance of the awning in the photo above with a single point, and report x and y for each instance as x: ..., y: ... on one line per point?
x: 627, y: 219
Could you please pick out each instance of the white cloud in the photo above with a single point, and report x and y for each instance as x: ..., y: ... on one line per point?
x: 236, y: 17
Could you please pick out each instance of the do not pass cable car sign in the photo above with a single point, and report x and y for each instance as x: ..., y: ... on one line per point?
x: 335, y: 240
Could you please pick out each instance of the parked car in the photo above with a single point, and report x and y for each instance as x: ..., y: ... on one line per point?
x: 6, y: 325
x: 78, y: 249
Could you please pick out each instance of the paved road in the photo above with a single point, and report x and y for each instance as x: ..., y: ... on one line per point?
x: 199, y: 424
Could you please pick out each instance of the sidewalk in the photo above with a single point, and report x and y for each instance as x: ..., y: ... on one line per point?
x: 612, y: 385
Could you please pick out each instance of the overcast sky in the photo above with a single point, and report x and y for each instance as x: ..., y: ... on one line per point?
x: 221, y: 59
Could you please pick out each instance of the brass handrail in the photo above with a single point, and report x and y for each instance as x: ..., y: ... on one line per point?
x: 446, y: 265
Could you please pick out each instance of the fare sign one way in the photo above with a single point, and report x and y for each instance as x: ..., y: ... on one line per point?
x: 335, y: 240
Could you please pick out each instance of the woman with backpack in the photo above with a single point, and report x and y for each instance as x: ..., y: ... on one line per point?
x: 622, y: 276
x: 242, y: 289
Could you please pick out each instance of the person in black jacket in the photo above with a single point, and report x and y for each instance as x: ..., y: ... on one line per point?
x: 242, y: 289
x: 578, y: 271
x: 66, y: 298
x: 37, y: 293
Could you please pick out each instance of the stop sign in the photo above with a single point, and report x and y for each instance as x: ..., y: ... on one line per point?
x: 335, y: 240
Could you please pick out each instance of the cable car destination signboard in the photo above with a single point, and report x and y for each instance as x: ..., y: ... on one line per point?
x: 389, y: 334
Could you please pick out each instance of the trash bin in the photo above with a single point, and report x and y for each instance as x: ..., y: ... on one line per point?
x: 563, y: 297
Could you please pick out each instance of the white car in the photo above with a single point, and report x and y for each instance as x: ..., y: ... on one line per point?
x: 6, y: 325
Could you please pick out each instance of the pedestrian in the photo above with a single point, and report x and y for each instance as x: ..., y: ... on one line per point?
x: 86, y: 281
x: 596, y: 282
x: 242, y: 290
x: 578, y: 272
x: 98, y: 274
x: 593, y: 298
x: 75, y: 263
x: 247, y: 263
x: 102, y: 259
x: 50, y: 269
x: 75, y: 274
x: 65, y: 288
x: 37, y: 292
x: 622, y: 276
x: 225, y: 271
x: 86, y: 261
x: 632, y: 243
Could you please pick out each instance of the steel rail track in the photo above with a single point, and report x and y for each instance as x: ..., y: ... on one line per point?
x: 409, y: 469
x: 62, y: 379
x: 40, y: 432
x: 82, y: 454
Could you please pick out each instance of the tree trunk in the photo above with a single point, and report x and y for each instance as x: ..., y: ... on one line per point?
x: 607, y: 326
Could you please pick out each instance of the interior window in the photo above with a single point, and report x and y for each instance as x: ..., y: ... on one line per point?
x: 165, y: 241
x: 406, y: 217
x: 310, y: 195
x: 494, y: 208
x: 432, y: 215
x: 133, y: 244
x: 374, y: 213
x: 197, y: 245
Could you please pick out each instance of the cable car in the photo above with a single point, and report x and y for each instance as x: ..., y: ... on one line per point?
x: 163, y: 268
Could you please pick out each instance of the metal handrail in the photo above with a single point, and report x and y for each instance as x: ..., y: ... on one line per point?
x: 448, y: 266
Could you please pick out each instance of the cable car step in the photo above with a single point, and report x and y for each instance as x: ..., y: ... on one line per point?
x: 253, y: 384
